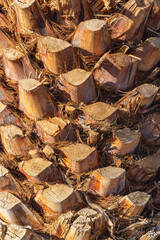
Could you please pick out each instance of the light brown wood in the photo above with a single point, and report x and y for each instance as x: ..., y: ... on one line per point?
x: 56, y: 54
x: 139, y: 98
x: 5, y: 96
x: 62, y: 225
x: 133, y: 204
x: 92, y: 36
x: 98, y: 112
x: 7, y: 117
x: 9, y: 183
x: 48, y: 151
x: 57, y: 199
x: 78, y: 86
x: 154, y: 17
x: 4, y: 23
x: 13, y: 231
x: 105, y: 181
x: 55, y: 130
x: 144, y: 170
x: 79, y: 157
x: 93, y: 137
x: 16, y: 65
x: 69, y: 11
x: 149, y: 53
x: 30, y: 18
x: 5, y: 42
x: 150, y: 126
x: 12, y: 210
x: 14, y: 141
x: 40, y: 170
x: 89, y: 225
x: 123, y: 142
x: 129, y: 25
x: 34, y: 99
x: 116, y: 71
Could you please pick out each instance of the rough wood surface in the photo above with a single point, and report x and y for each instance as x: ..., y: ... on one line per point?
x: 30, y: 18
x: 56, y: 54
x: 74, y: 8
x: 139, y: 98
x: 150, y: 127
x: 78, y: 86
x: 92, y: 36
x: 40, y: 170
x: 55, y: 130
x: 12, y: 231
x: 130, y: 23
x: 5, y: 42
x: 98, y: 112
x: 34, y: 99
x: 57, y: 199
x: 7, y: 117
x: 9, y: 183
x: 12, y: 210
x: 133, y: 204
x: 79, y: 158
x: 79, y: 121
x: 14, y: 141
x: 108, y: 180
x: 116, y: 71
x: 144, y: 169
x: 154, y: 18
x: 17, y: 66
x: 149, y: 54
x: 88, y: 225
x: 123, y: 142
x: 62, y: 225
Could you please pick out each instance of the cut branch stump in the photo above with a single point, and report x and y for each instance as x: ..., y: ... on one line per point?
x: 123, y: 142
x: 105, y: 181
x: 9, y: 183
x: 79, y: 158
x: 34, y: 99
x: 143, y: 170
x: 62, y: 225
x: 73, y: 9
x: 88, y: 225
x: 7, y: 117
x: 57, y: 199
x: 30, y: 18
x: 12, y: 210
x: 139, y: 98
x: 17, y: 66
x: 55, y: 130
x: 14, y: 141
x: 98, y: 113
x: 13, y: 231
x: 116, y: 71
x: 154, y: 17
x: 92, y: 37
x: 40, y: 170
x: 129, y: 25
x: 133, y: 204
x: 56, y: 54
x: 149, y: 54
x: 77, y: 86
x: 150, y: 127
